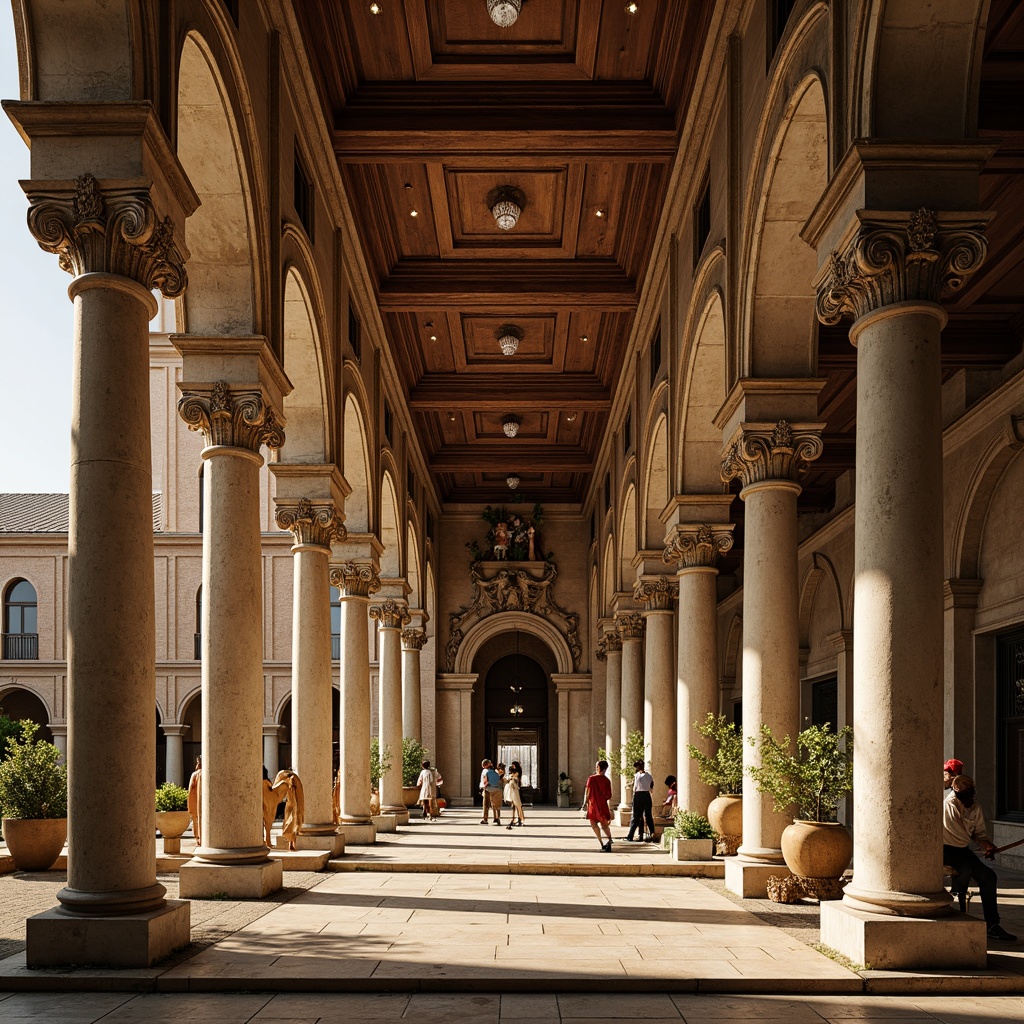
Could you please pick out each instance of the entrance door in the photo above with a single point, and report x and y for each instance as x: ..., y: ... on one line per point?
x: 522, y: 745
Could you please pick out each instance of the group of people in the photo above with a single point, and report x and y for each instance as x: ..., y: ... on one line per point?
x: 500, y: 785
x: 597, y: 805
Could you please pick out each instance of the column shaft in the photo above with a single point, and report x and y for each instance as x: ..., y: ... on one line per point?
x: 659, y: 694
x: 632, y: 710
x: 271, y: 749
x: 412, y: 715
x: 355, y: 710
x: 174, y: 758
x: 613, y: 699
x: 390, y: 715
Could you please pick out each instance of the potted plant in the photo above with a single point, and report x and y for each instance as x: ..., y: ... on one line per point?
x: 172, y: 817
x: 810, y: 780
x: 413, y: 756
x: 33, y: 800
x: 564, y: 795
x: 722, y: 769
x: 690, y: 836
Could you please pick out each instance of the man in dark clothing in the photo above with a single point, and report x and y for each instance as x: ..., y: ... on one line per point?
x: 643, y: 805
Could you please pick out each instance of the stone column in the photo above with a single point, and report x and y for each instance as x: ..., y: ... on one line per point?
x: 60, y: 739
x: 889, y: 273
x: 391, y: 616
x: 230, y: 391
x: 413, y: 641
x: 657, y: 593
x: 272, y: 748
x: 695, y: 547
x: 630, y: 627
x: 174, y: 758
x: 119, y: 240
x: 313, y: 526
x: 609, y: 648
x: 768, y: 459
x: 960, y: 737
x: 356, y: 581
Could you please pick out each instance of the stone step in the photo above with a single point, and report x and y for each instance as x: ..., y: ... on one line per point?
x: 688, y: 869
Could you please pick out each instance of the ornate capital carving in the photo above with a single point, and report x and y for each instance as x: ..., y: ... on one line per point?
x: 612, y: 643
x: 601, y: 652
x: 390, y: 614
x: 414, y: 639
x: 112, y: 231
x: 355, y: 579
x: 900, y: 258
x: 237, y: 418
x: 310, y: 523
x: 630, y: 625
x: 697, y: 545
x: 656, y: 592
x: 760, y: 451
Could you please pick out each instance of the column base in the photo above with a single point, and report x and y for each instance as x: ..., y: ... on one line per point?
x: 335, y: 843
x: 399, y: 811
x: 385, y: 822
x: 750, y: 880
x: 625, y: 816
x: 359, y: 834
x: 198, y: 880
x: 60, y: 938
x: 887, y: 942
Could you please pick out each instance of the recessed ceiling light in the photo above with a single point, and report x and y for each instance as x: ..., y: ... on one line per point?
x: 433, y: 337
x: 451, y: 417
x: 599, y: 213
x: 632, y: 8
x: 571, y: 417
x: 584, y: 338
x: 376, y: 8
x: 414, y: 213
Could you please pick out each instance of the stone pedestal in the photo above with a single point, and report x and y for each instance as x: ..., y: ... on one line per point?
x: 749, y: 879
x: 358, y: 835
x: 200, y: 879
x: 333, y: 842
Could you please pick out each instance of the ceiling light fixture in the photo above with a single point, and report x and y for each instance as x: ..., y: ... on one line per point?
x: 508, y: 339
x: 506, y: 204
x: 451, y: 417
x: 414, y: 213
x: 632, y: 8
x: 571, y: 417
x: 510, y: 425
x: 584, y: 338
x: 376, y: 8
x: 512, y: 481
x: 504, y: 12
x: 433, y: 337
x: 599, y: 213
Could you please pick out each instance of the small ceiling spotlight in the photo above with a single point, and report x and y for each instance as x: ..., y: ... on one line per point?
x: 506, y: 204
x: 451, y: 417
x: 504, y: 12
x: 571, y: 417
x: 433, y: 337
x: 510, y: 425
x: 599, y: 213
x: 508, y: 339
x: 376, y: 8
x: 414, y: 213
x: 512, y: 481
x: 632, y: 8
x: 584, y: 338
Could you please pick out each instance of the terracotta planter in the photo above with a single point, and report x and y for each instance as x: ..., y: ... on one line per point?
x: 172, y: 824
x: 35, y: 843
x: 725, y: 813
x: 817, y: 849
x: 411, y: 796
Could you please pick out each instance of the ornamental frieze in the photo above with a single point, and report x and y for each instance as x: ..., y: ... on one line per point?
x: 694, y: 546
x: 236, y: 417
x: 355, y: 579
x: 314, y: 524
x: 512, y: 586
x: 763, y: 451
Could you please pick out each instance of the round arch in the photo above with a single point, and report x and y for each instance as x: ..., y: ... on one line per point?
x: 412, y: 566
x: 356, y: 468
x: 308, y: 437
x: 821, y: 568
x: 656, y: 481
x: 627, y: 537
x: 504, y: 622
x: 390, y: 534
x: 20, y: 699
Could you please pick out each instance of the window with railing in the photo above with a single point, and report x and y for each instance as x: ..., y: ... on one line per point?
x: 197, y: 652
x: 21, y: 631
x: 335, y: 623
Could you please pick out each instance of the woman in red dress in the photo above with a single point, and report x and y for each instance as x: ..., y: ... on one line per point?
x: 598, y: 794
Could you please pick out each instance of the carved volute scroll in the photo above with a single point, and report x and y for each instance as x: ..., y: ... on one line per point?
x: 656, y: 592
x: 697, y: 545
x: 355, y: 579
x: 112, y: 231
x: 612, y: 643
x: 310, y: 523
x: 391, y: 614
x: 763, y: 451
x: 236, y: 417
x: 413, y: 639
x: 630, y: 626
x: 900, y: 257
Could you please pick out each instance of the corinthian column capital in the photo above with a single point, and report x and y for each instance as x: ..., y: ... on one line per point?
x: 765, y: 451
x: 900, y: 257
x: 110, y: 230
x: 414, y: 639
x: 236, y: 417
x: 630, y: 626
x: 391, y: 614
x: 612, y: 643
x: 656, y: 592
x: 697, y: 545
x: 315, y: 523
x: 355, y: 579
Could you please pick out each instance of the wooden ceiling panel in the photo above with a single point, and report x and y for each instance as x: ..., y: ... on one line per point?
x: 602, y: 197
x: 536, y: 350
x: 407, y: 193
x: 533, y: 426
x: 626, y: 41
x: 582, y: 341
x: 464, y: 28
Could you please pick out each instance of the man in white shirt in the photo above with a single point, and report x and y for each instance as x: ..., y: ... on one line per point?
x: 962, y: 822
x: 643, y: 803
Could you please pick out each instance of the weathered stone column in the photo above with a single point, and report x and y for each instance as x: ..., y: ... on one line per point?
x: 413, y: 641
x: 695, y: 547
x: 231, y: 388
x: 117, y: 230
x: 356, y: 581
x: 609, y: 648
x: 657, y: 593
x: 630, y: 627
x: 60, y: 738
x: 889, y: 271
x: 313, y: 527
x: 272, y: 748
x: 768, y: 458
x: 391, y: 616
x: 174, y: 758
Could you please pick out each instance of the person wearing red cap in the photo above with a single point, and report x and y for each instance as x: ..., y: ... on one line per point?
x: 950, y: 770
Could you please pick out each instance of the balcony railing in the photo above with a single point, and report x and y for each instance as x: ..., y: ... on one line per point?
x: 198, y: 653
x: 335, y: 646
x: 21, y: 646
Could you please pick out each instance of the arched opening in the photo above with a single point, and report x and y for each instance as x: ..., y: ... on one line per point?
x: 304, y: 407
x: 656, y: 479
x: 357, y: 470
x: 18, y: 703
x: 627, y: 541
x: 391, y: 556
x: 192, y: 739
x: 21, y: 622
x: 412, y: 567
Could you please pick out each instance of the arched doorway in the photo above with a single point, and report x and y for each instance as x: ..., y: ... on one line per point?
x: 192, y: 738
x: 18, y: 704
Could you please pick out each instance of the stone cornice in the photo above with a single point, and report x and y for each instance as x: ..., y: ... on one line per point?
x: 236, y: 417
x: 413, y: 639
x: 310, y: 523
x: 656, y: 592
x: 630, y: 626
x: 391, y: 614
x: 355, y: 579
x: 697, y: 545
x: 765, y: 451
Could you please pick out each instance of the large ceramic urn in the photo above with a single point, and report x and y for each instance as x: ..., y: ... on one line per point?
x: 725, y: 813
x: 35, y: 843
x: 817, y: 849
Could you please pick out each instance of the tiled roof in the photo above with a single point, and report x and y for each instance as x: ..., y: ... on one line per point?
x: 46, y: 513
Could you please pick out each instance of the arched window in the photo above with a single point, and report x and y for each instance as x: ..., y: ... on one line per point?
x: 198, y: 653
x: 21, y: 636
x: 335, y: 623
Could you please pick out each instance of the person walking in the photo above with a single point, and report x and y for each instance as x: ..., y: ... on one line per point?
x: 513, y: 780
x: 596, y: 799
x: 427, y: 781
x: 643, y: 804
x: 490, y: 789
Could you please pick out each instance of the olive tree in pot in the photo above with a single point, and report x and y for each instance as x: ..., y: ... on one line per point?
x: 809, y: 781
x: 413, y: 756
x: 689, y: 837
x: 33, y: 800
x: 722, y: 769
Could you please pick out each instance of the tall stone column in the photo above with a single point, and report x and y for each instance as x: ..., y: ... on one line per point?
x: 889, y: 272
x: 413, y: 641
x: 117, y: 231
x: 356, y: 581
x: 271, y: 748
x: 657, y: 593
x: 391, y: 616
x: 313, y: 526
x: 768, y: 459
x: 609, y: 648
x: 695, y: 547
x: 230, y: 391
x: 630, y: 627
x: 174, y: 757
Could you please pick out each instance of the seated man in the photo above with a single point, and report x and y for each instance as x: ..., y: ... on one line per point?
x: 962, y: 821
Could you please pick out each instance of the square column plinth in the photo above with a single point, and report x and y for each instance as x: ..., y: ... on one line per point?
x: 335, y: 844
x: 198, y: 880
x: 751, y: 880
x: 359, y: 834
x: 60, y: 938
x: 385, y: 822
x: 885, y: 942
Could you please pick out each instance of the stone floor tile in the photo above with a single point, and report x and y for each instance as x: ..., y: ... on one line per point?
x: 350, y: 1005
x: 745, y: 1008
x: 874, y: 1008
x: 640, y: 1005
x: 162, y: 1008
x: 529, y: 1006
x: 54, y: 1005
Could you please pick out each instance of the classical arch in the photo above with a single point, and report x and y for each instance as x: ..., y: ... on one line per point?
x: 356, y: 469
x: 608, y: 574
x: 656, y: 484
x: 412, y: 566
x: 505, y: 622
x: 19, y: 700
x: 821, y: 569
x: 627, y: 539
x: 390, y: 537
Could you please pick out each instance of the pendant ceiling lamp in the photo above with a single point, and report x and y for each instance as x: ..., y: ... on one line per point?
x: 504, y: 12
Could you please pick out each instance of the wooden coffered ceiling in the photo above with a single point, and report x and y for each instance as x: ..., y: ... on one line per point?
x: 433, y: 108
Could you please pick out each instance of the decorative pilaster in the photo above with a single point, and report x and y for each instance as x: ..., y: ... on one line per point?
x: 414, y: 639
x: 658, y: 594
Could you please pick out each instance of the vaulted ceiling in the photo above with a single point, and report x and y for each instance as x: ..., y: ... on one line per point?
x: 435, y: 109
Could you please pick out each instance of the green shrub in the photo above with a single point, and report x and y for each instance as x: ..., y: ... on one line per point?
x: 170, y: 797
x: 10, y: 729
x: 413, y: 756
x: 32, y: 782
x: 380, y: 762
x: 621, y: 760
x: 688, y: 825
x: 724, y: 768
